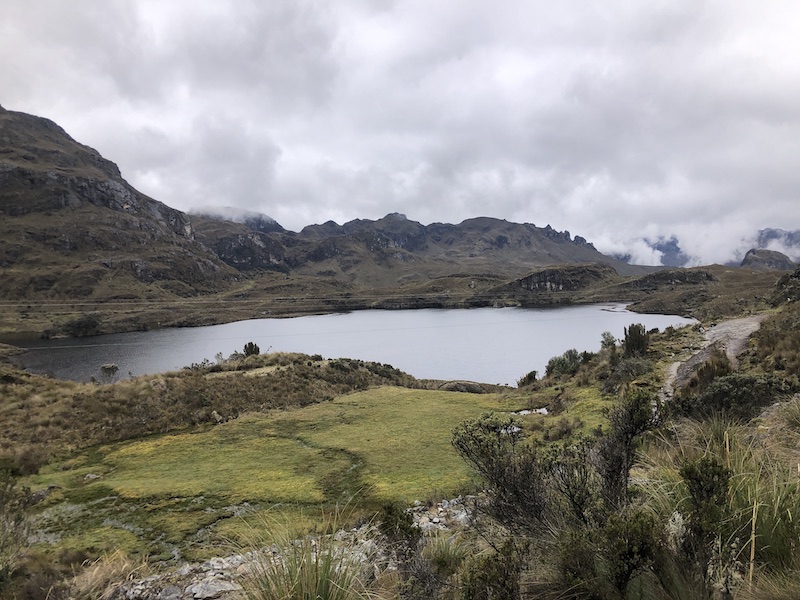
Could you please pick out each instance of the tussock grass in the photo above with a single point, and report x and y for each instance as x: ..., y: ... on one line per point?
x: 100, y: 579
x: 294, y: 565
x: 50, y: 417
x: 759, y: 477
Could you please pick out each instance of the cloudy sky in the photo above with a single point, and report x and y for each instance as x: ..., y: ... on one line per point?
x: 616, y: 120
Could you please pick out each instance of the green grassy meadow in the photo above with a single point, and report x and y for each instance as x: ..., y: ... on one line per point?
x: 184, y: 494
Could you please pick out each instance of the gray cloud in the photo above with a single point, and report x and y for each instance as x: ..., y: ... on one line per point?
x: 618, y: 121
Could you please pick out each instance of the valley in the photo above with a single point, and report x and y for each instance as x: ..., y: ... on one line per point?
x: 661, y: 465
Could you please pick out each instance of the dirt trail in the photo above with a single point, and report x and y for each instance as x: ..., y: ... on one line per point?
x: 730, y: 336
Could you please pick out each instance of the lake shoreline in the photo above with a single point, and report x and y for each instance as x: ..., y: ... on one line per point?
x: 491, y: 345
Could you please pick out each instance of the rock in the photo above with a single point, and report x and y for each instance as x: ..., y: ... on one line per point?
x: 171, y: 592
x: 210, y: 588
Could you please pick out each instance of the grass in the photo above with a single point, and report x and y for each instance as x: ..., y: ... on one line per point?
x: 41, y: 417
x: 99, y: 580
x: 760, y: 476
x: 304, y: 567
x: 183, y: 492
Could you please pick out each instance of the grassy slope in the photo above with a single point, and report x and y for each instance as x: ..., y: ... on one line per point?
x: 159, y: 493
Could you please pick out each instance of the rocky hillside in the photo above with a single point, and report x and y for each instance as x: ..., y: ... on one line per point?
x: 767, y: 260
x: 396, y: 251
x: 73, y: 227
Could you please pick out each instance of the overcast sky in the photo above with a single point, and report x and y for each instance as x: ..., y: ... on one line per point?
x: 616, y: 120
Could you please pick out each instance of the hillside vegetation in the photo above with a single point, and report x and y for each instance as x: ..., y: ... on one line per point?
x: 618, y: 475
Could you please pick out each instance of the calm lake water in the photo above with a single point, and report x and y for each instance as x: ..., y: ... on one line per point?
x: 491, y: 345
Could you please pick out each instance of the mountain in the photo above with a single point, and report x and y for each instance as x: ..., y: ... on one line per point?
x: 671, y: 253
x: 767, y: 260
x: 73, y: 227
x: 786, y: 242
x: 249, y: 218
x: 777, y: 240
x: 407, y: 250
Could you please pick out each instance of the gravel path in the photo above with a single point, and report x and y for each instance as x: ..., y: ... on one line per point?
x: 730, y: 336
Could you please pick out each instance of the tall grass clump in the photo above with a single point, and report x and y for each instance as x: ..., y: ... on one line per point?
x: 732, y: 506
x: 100, y: 580
x: 297, y: 566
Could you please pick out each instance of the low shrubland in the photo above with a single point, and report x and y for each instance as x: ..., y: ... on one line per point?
x: 41, y: 416
x: 690, y: 500
x: 608, y: 494
x: 186, y: 495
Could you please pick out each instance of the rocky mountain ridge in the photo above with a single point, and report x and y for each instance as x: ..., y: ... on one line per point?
x: 74, y: 228
x: 767, y: 260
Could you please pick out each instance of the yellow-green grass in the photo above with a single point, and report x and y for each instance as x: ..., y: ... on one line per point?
x: 402, y: 435
x: 374, y: 446
x: 584, y: 409
x: 237, y: 460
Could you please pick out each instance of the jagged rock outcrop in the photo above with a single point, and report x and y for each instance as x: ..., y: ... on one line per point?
x: 788, y: 288
x: 240, y: 247
x: 564, y: 279
x: 760, y: 259
x: 671, y: 277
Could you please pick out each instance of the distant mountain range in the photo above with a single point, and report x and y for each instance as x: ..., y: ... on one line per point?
x: 72, y: 227
x: 785, y: 243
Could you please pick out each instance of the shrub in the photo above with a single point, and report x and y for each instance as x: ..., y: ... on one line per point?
x: 739, y: 396
x: 83, y: 326
x: 630, y: 544
x: 495, y: 576
x: 608, y: 341
x: 636, y: 340
x: 717, y: 365
x: 397, y: 526
x: 528, y: 379
x: 251, y: 349
x: 13, y: 523
x: 626, y: 370
x: 628, y: 419
x: 565, y: 364
x: 513, y: 471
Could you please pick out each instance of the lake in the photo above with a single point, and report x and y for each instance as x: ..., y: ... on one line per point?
x: 490, y: 345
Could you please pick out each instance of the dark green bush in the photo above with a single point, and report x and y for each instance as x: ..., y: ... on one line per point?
x: 624, y: 371
x: 528, y: 379
x: 83, y: 326
x: 514, y: 471
x: 495, y: 576
x: 565, y: 364
x: 738, y: 396
x: 707, y: 481
x: 717, y: 365
x: 630, y: 543
x: 251, y: 349
x: 636, y: 340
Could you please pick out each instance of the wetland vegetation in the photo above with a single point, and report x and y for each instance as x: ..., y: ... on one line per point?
x: 608, y: 493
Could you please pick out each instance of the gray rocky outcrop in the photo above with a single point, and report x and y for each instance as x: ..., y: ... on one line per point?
x: 219, y: 578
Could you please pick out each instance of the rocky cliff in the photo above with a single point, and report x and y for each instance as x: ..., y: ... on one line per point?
x: 71, y: 224
x: 767, y: 260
